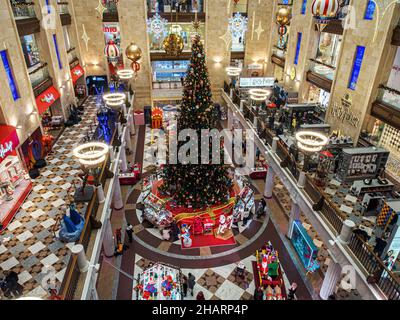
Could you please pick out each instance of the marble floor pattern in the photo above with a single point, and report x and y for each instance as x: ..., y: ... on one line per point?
x: 30, y: 242
x: 217, y: 283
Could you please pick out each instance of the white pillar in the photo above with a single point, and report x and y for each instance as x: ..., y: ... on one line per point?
x: 302, y: 180
x: 230, y: 118
x: 112, y: 154
x: 132, y: 123
x: 332, y: 276
x: 231, y: 94
x: 124, y: 109
x: 100, y: 193
x: 124, y: 165
x: 346, y: 232
x: 117, y: 196
x: 108, y: 241
x: 128, y: 140
x: 294, y: 215
x: 79, y: 251
x: 119, y: 128
x: 255, y: 121
x: 241, y: 105
x: 275, y: 144
x: 269, y: 183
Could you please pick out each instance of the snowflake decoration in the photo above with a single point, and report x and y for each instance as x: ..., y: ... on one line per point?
x: 157, y: 25
x: 238, y: 25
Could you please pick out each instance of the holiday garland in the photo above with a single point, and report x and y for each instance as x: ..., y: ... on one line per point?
x: 197, y: 185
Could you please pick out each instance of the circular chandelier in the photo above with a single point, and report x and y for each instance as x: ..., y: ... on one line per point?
x: 311, y: 141
x: 259, y: 94
x: 125, y: 74
x: 114, y: 100
x: 91, y: 154
x: 233, y: 71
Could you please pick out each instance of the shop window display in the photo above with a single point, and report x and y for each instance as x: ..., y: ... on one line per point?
x: 390, y: 93
x: 327, y: 54
x: 167, y: 6
x: 320, y: 96
x: 30, y: 50
x: 164, y: 71
x: 304, y: 247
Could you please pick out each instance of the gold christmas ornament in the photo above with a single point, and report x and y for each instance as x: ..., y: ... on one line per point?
x: 173, y: 44
x: 283, y: 16
x: 133, y: 52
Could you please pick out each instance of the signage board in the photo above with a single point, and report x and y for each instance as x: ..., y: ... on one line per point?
x: 256, y: 82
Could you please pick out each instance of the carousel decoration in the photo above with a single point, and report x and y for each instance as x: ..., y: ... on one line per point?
x: 324, y: 11
x: 157, y: 25
x: 112, y: 52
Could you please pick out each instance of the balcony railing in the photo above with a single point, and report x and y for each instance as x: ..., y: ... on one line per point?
x: 166, y: 7
x: 39, y: 75
x: 23, y: 10
x: 375, y: 269
x: 63, y: 7
x: 389, y: 96
x: 322, y: 69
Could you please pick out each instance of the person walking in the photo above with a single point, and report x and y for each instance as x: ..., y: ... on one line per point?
x: 191, y: 283
x: 292, y: 291
x: 200, y: 296
x: 184, y: 285
x: 258, y: 294
x: 129, y: 232
x: 261, y: 208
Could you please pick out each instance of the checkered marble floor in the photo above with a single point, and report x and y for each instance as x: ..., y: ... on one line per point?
x: 30, y: 242
x: 217, y: 283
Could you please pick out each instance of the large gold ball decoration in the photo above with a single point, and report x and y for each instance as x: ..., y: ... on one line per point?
x: 173, y: 44
x: 283, y: 16
x: 133, y: 52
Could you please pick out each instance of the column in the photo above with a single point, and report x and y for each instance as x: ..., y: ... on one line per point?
x: 108, y: 240
x: 347, y: 231
x: 294, y: 215
x: 275, y: 144
x: 241, y: 105
x: 124, y: 165
x: 112, y: 153
x: 128, y: 140
x: 230, y: 118
x: 100, y: 193
x: 255, y: 121
x: 331, y: 279
x: 302, y: 179
x: 269, y: 183
x: 79, y: 251
x: 132, y: 123
x: 117, y: 196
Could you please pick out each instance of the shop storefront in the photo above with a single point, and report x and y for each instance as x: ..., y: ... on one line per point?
x: 15, y: 184
x: 50, y: 110
x: 320, y: 97
x: 169, y: 71
x: 30, y: 49
x: 78, y: 79
x: 166, y: 6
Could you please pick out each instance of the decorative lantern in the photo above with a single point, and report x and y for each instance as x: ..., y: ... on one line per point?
x: 283, y: 16
x: 323, y: 11
x: 133, y: 52
x: 112, y: 52
x: 173, y: 44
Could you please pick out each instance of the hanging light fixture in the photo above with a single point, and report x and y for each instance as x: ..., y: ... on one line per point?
x: 233, y: 71
x: 259, y: 94
x: 173, y: 43
x: 91, y: 154
x: 125, y: 74
x: 310, y: 141
x: 112, y: 52
x: 323, y: 11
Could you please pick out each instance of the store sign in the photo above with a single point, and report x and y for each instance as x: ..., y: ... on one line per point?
x: 48, y: 98
x: 256, y: 82
x: 363, y: 164
x: 254, y: 66
x: 5, y: 149
x: 111, y: 29
x: 343, y: 112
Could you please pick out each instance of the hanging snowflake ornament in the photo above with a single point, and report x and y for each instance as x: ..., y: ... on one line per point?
x: 238, y: 25
x: 157, y: 25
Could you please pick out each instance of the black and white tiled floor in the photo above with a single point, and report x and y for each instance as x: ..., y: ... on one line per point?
x: 30, y: 241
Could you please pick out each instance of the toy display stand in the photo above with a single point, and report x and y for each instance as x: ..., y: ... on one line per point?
x: 245, y: 200
x: 132, y: 177
x: 159, y: 282
x: 15, y: 186
x: 260, y: 171
x: 268, y: 273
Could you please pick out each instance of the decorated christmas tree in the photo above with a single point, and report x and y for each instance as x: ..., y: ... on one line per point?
x: 197, y: 185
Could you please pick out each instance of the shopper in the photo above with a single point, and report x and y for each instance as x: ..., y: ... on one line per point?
x: 200, y: 296
x: 292, y: 291
x: 261, y: 208
x: 174, y: 231
x: 129, y: 232
x: 258, y: 294
x: 380, y: 245
x: 166, y: 234
x: 184, y: 285
x: 191, y: 283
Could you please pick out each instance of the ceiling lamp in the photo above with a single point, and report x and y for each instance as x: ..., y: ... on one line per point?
x: 259, y: 94
x: 91, y: 154
x: 125, y: 74
x: 323, y: 11
x: 233, y: 71
x: 112, y: 52
x: 309, y: 141
x: 114, y: 100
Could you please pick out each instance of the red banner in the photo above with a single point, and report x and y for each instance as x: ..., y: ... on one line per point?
x: 76, y: 73
x: 46, y: 99
x: 8, y: 141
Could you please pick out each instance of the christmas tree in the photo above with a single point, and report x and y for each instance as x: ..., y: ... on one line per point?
x: 197, y: 185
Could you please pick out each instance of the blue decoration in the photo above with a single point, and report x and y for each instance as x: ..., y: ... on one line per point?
x: 355, y: 73
x: 370, y: 10
x: 298, y: 46
x: 48, y: 7
x: 304, y: 7
x: 57, y: 51
x: 304, y: 246
x: 10, y: 76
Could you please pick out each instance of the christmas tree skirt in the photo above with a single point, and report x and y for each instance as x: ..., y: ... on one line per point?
x: 199, y: 241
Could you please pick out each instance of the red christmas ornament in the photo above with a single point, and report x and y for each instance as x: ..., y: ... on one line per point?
x: 325, y: 9
x: 282, y: 30
x: 135, y: 66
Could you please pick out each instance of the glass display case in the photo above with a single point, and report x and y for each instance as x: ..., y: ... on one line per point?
x: 164, y: 71
x: 304, y: 246
x: 30, y: 50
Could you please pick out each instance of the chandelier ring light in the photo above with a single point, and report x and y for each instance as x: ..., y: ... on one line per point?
x: 259, y: 94
x: 125, y: 73
x: 91, y: 150
x: 311, y: 141
x: 114, y: 97
x: 233, y: 71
